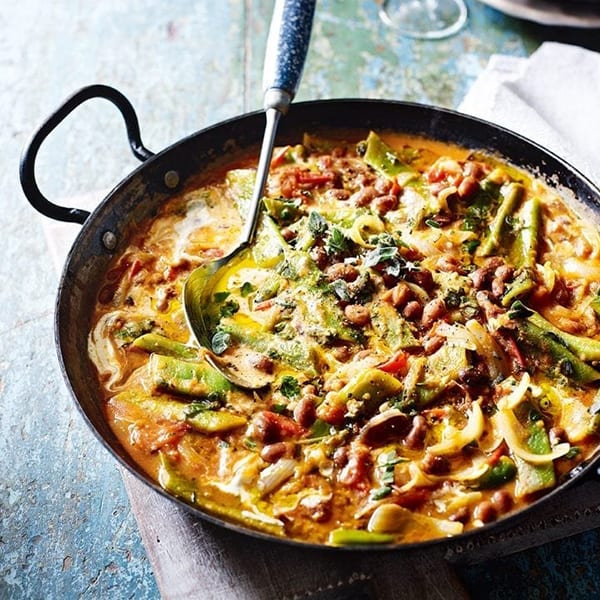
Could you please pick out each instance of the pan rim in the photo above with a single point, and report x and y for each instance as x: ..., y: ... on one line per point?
x: 126, y: 462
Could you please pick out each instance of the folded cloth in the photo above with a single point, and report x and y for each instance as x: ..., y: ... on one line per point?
x: 552, y: 98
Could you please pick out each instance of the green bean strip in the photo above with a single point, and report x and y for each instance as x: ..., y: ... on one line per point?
x: 182, y: 377
x: 533, y: 478
x: 511, y: 196
x: 159, y: 344
x: 532, y: 215
x: 504, y: 470
x: 354, y: 537
x: 386, y: 161
x: 569, y: 364
x: 585, y: 348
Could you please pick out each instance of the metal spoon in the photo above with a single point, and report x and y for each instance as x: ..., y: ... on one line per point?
x: 287, y: 46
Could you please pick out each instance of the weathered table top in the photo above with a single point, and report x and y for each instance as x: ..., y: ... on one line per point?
x: 66, y: 525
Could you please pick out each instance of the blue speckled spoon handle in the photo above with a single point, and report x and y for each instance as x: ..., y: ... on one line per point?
x: 287, y: 46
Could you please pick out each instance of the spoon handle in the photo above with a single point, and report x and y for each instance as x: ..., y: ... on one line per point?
x: 287, y: 46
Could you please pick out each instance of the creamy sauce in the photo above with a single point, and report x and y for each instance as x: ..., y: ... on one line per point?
x: 427, y: 318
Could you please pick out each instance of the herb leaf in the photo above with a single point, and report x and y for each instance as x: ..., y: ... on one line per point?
x: 573, y: 452
x: 289, y: 386
x: 246, y: 289
x: 341, y: 290
x: 212, y: 401
x: 380, y: 254
x: 229, y: 308
x: 337, y: 242
x: 381, y: 492
x: 317, y: 224
x: 220, y: 341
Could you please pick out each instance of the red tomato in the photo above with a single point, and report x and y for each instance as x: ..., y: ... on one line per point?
x: 282, y: 425
x: 396, y: 365
x: 314, y: 179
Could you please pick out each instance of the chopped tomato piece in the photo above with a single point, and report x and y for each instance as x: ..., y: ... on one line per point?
x: 498, y: 452
x: 397, y: 364
x: 314, y: 179
x: 279, y: 157
x: 136, y: 267
x: 285, y: 426
x: 264, y: 305
x: 396, y: 187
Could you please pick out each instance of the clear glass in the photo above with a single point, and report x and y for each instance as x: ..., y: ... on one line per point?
x: 425, y: 19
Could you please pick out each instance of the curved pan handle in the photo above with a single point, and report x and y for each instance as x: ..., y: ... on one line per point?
x: 27, y: 167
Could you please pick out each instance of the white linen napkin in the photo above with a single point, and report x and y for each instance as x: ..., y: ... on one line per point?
x: 552, y: 98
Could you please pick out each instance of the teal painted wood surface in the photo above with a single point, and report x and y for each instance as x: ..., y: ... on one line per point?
x: 66, y: 527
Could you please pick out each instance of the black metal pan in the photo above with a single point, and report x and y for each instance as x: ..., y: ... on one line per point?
x: 106, y: 230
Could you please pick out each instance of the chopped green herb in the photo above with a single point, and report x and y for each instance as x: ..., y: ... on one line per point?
x: 246, y: 289
x: 454, y: 298
x: 386, y: 239
x: 320, y: 429
x: 337, y: 242
x: 220, y: 341
x: 573, y: 452
x: 211, y: 402
x: 289, y: 386
x: 221, y: 296
x: 381, y: 492
x: 278, y: 408
x: 287, y: 269
x: 133, y: 329
x: 471, y: 245
x: 317, y: 224
x: 386, y: 463
x: 341, y: 290
x: 380, y: 254
x: 432, y: 223
x: 229, y: 308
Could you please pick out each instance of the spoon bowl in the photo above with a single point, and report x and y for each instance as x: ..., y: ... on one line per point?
x: 287, y: 46
x: 238, y: 364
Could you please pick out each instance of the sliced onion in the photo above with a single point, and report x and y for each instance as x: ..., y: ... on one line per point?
x: 454, y: 440
x: 510, y: 428
x: 275, y: 475
x: 365, y: 224
x: 487, y: 348
x: 391, y: 518
x: 417, y: 479
x: 515, y: 397
x: 581, y: 269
